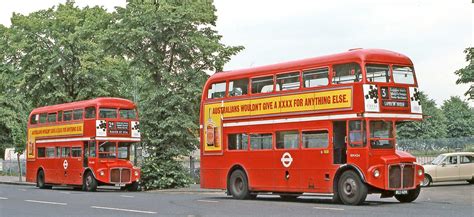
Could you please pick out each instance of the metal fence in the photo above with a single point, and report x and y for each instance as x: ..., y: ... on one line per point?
x: 11, y: 167
x: 437, y: 145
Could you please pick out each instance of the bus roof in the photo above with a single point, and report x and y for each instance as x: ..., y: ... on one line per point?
x: 101, y: 101
x: 353, y: 55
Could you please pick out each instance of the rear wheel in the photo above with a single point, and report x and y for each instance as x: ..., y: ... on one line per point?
x: 238, y: 185
x: 411, y: 196
x: 90, y: 183
x: 351, y: 189
x: 471, y: 181
x: 40, y: 183
x: 426, y: 181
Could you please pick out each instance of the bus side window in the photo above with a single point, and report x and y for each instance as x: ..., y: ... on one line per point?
x: 58, y: 151
x: 357, y: 136
x: 287, y: 139
x: 34, y: 119
x: 77, y: 114
x: 288, y: 81
x: 217, y: 90
x: 41, y: 152
x: 51, y: 117
x: 316, y: 139
x: 76, y: 151
x: 67, y: 115
x: 60, y: 116
x: 261, y: 141
x: 43, y: 117
x: 65, y: 152
x: 262, y: 85
x: 90, y: 112
x: 239, y: 87
x: 316, y: 77
x: 346, y: 73
x: 92, y: 152
x: 237, y: 141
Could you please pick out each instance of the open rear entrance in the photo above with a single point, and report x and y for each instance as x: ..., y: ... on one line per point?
x: 339, y: 142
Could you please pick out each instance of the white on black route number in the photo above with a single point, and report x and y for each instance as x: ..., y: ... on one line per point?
x: 286, y: 159
x: 65, y: 164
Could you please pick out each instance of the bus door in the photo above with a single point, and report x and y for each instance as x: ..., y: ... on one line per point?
x: 89, y: 154
x: 356, y: 151
x: 339, y: 142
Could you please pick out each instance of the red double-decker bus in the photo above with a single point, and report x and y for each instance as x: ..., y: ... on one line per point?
x: 84, y: 144
x: 319, y: 125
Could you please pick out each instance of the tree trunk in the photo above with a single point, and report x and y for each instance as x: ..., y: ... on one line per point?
x: 19, y: 167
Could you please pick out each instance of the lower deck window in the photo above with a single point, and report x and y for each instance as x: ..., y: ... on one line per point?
x: 237, y: 141
x: 315, y: 139
x: 287, y: 139
x: 261, y: 141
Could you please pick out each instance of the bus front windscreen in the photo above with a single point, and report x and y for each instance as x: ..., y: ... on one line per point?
x: 381, y: 134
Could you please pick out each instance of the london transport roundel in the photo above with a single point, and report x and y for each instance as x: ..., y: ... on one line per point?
x: 65, y: 164
x: 286, y: 159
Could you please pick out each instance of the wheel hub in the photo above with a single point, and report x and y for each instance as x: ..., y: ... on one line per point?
x: 350, y: 187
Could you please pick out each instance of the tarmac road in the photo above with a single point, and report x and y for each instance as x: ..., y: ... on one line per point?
x: 440, y: 200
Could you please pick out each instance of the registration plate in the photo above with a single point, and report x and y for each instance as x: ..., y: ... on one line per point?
x: 119, y: 185
x: 401, y: 192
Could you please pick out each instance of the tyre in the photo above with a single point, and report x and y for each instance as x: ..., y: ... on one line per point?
x: 471, y: 181
x: 351, y: 189
x: 90, y: 183
x: 411, y: 196
x: 238, y: 185
x: 134, y: 186
x: 426, y: 181
x: 40, y: 183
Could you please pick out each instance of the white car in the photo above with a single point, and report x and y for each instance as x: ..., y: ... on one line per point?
x: 450, y: 167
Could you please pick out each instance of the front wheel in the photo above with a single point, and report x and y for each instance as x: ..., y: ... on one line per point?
x: 351, y: 189
x: 238, y: 185
x: 410, y: 196
x: 426, y: 181
x: 134, y: 186
x: 90, y: 183
x: 471, y: 181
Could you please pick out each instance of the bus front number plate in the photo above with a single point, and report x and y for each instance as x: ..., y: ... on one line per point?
x: 401, y: 192
x: 119, y: 185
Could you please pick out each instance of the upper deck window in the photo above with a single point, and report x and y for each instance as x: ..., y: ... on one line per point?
x: 67, y: 115
x: 43, y: 117
x: 403, y: 75
x: 107, y: 113
x: 90, y: 112
x: 262, y: 85
x: 346, y: 73
x: 316, y: 77
x: 128, y: 113
x: 216, y: 91
x: 239, y: 87
x: 77, y: 114
x: 60, y: 116
x: 377, y: 73
x: 289, y: 81
x: 51, y: 117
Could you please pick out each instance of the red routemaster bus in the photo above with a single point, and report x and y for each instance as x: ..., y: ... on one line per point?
x: 84, y: 144
x: 319, y: 125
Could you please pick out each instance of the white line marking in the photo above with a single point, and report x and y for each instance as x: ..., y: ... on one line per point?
x: 21, y: 189
x: 46, y: 202
x: 64, y: 192
x: 208, y: 201
x: 3, y: 198
x: 125, y: 210
x: 128, y: 196
x: 329, y: 208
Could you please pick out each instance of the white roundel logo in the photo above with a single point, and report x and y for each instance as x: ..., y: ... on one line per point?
x: 286, y: 159
x: 65, y: 164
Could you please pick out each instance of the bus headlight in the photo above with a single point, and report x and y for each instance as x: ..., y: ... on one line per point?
x: 420, y: 172
x: 136, y: 173
x: 101, y: 173
x: 376, y: 173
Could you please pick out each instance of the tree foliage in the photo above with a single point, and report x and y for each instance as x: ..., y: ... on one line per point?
x: 432, y: 126
x: 466, y: 74
x: 459, y: 118
x: 173, y: 44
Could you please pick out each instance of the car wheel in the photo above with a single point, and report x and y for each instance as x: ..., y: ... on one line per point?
x: 134, y: 186
x: 426, y: 181
x: 471, y: 181
x: 411, y: 196
x: 351, y: 189
x: 90, y: 183
x: 238, y: 185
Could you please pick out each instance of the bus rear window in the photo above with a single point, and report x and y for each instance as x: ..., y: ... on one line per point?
x: 403, y: 75
x: 346, y: 73
x: 377, y: 73
x: 128, y: 114
x: 217, y: 90
x: 107, y: 113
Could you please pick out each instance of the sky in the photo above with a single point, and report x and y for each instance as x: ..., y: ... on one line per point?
x: 433, y: 33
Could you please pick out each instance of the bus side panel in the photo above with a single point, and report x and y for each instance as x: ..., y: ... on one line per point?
x: 31, y: 169
x: 213, y: 175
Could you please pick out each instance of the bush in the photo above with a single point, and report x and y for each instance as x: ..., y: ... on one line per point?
x: 162, y: 173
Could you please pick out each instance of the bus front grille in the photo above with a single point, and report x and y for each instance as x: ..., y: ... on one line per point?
x: 120, y: 175
x: 401, y: 176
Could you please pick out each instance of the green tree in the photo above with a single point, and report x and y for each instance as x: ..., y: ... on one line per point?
x: 433, y: 124
x: 173, y: 44
x: 466, y: 74
x: 459, y: 117
x: 58, y: 54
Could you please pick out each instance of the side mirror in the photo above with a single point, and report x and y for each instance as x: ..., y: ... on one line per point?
x: 443, y: 164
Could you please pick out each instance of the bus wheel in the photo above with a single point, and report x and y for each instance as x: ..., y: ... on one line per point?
x: 90, y: 184
x: 40, y: 183
x: 238, y: 185
x: 351, y: 189
x: 411, y: 196
x: 134, y: 186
